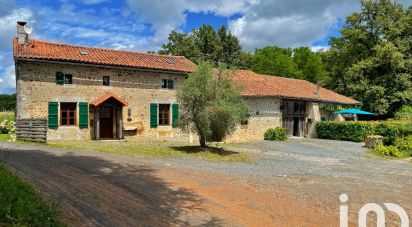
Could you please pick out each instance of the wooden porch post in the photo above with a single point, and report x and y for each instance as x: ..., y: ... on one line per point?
x: 97, y: 130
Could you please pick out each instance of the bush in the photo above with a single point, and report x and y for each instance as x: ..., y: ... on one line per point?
x: 404, y: 144
x: 349, y: 130
x: 357, y: 131
x: 6, y: 126
x: 278, y: 134
x: 387, y: 150
x: 404, y: 113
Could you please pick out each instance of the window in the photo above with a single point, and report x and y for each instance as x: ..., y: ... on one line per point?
x: 68, y: 79
x: 164, y: 83
x: 164, y: 114
x: 68, y: 114
x: 106, y: 80
x: 167, y: 83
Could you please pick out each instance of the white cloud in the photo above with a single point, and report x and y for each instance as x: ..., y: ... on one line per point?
x: 8, y: 26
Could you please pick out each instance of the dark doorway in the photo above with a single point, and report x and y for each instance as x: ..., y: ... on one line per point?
x: 293, y: 114
x: 106, y: 122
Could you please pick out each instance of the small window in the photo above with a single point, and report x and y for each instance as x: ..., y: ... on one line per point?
x: 106, y: 80
x: 164, y: 114
x: 68, y: 114
x: 164, y: 83
x: 68, y: 79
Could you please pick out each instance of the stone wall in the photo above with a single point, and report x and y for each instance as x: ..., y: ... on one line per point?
x: 36, y: 86
x: 264, y: 114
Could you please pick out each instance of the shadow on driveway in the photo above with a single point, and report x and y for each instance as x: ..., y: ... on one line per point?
x: 91, y: 191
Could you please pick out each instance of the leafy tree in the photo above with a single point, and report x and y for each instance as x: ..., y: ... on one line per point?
x: 273, y: 60
x: 210, y: 105
x: 371, y: 60
x: 310, y: 64
x: 205, y: 44
x: 7, y: 102
x: 181, y: 44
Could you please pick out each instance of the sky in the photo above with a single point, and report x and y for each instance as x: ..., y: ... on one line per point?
x: 144, y: 25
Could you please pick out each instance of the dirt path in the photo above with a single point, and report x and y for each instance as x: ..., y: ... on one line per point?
x: 95, y: 189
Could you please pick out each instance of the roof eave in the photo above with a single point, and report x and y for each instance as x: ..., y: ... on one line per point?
x: 306, y: 99
x: 60, y: 61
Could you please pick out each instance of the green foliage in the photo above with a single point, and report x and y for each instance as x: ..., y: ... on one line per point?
x: 310, y: 64
x: 387, y: 150
x: 358, y: 130
x: 210, y: 105
x: 205, y: 44
x: 331, y: 108
x: 7, y: 102
x: 20, y: 205
x: 278, y: 134
x: 300, y: 63
x: 348, y: 130
x: 404, y: 144
x: 371, y: 60
x: 404, y: 113
x: 6, y: 126
x: 276, y: 61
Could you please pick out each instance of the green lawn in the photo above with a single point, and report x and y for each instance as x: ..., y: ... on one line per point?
x: 7, y: 116
x: 21, y: 205
x: 158, y: 149
x: 4, y: 137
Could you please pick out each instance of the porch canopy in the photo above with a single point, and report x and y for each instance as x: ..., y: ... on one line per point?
x: 107, y: 96
x: 353, y: 111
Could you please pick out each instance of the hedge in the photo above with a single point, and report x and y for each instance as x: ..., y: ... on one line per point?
x: 278, y: 134
x: 358, y: 130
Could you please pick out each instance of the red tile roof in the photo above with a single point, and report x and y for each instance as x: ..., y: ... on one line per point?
x: 258, y: 85
x: 37, y: 49
x: 107, y: 96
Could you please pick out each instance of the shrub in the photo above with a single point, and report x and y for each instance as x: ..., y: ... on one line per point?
x: 404, y: 144
x: 357, y: 131
x: 404, y: 113
x: 349, y: 130
x: 387, y: 150
x: 278, y: 134
x: 6, y: 126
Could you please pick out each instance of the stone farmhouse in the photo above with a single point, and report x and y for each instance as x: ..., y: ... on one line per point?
x: 88, y: 93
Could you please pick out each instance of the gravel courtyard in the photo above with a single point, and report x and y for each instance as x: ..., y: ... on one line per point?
x: 293, y: 183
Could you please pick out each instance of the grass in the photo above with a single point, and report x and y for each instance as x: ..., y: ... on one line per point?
x: 158, y: 149
x: 7, y: 116
x: 5, y: 137
x: 21, y: 205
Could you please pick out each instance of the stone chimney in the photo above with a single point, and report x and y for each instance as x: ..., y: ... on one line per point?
x: 23, y: 32
x: 317, y: 93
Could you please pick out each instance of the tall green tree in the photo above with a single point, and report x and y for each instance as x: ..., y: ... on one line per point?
x: 310, y: 64
x: 371, y: 60
x: 273, y: 60
x: 205, y: 44
x: 210, y: 105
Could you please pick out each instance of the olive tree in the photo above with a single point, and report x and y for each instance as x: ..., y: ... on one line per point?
x: 210, y: 104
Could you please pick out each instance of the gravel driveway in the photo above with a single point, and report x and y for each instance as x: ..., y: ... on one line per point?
x: 293, y: 183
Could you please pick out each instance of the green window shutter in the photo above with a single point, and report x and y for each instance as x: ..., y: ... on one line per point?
x: 53, y: 115
x: 83, y: 115
x: 153, y: 115
x: 170, y: 83
x: 59, y: 78
x: 175, y: 114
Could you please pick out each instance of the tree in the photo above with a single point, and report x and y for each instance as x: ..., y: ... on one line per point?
x: 310, y: 64
x: 7, y: 102
x: 371, y: 60
x: 276, y: 61
x: 205, y: 44
x: 210, y: 105
x: 181, y: 44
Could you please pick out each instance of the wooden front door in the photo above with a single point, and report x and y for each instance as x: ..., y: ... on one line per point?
x: 106, y: 122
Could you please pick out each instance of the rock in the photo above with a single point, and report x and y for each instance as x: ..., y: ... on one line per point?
x: 372, y: 140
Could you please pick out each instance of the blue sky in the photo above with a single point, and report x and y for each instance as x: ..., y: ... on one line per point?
x: 145, y: 24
